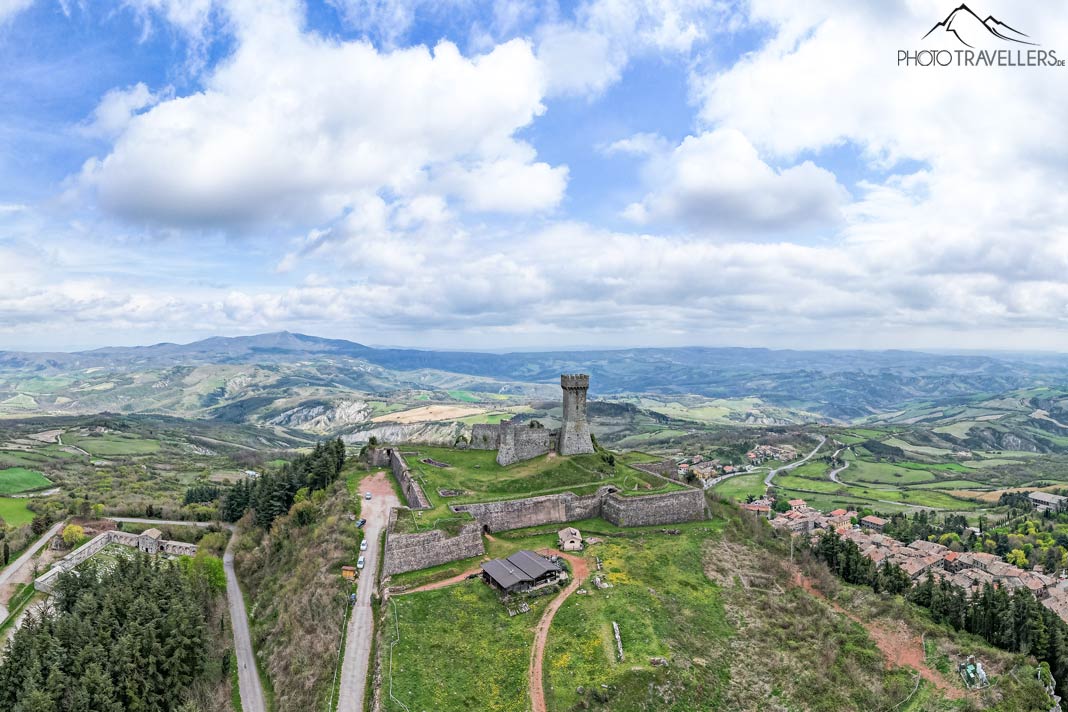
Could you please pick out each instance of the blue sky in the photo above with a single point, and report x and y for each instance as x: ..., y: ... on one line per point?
x: 525, y: 174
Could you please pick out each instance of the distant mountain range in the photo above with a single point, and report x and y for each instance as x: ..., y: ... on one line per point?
x: 264, y: 376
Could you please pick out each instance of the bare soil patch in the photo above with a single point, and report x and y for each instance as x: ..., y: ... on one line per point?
x: 429, y: 414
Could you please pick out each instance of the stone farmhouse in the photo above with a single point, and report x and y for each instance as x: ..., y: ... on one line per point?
x: 515, y: 442
x: 569, y: 539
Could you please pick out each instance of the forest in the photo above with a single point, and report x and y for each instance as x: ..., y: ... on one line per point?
x: 272, y: 494
x: 135, y: 636
x: 1013, y: 621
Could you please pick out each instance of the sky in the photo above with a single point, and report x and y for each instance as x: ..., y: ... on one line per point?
x: 523, y: 174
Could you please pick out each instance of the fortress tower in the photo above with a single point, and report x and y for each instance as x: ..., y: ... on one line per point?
x: 575, y: 431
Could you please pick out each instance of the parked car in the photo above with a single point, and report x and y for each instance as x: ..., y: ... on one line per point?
x: 363, y: 545
x: 359, y: 563
x: 367, y: 495
x: 360, y: 522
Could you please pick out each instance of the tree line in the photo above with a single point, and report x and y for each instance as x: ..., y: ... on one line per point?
x: 270, y: 495
x: 129, y: 638
x: 1015, y: 621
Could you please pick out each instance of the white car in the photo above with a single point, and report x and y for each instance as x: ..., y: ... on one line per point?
x: 363, y: 545
x: 367, y: 495
x: 359, y: 563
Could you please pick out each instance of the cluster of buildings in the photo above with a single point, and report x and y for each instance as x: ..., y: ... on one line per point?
x: 782, y: 453
x: 970, y: 571
x: 705, y: 469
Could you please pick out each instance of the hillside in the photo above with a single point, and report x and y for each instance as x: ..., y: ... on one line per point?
x: 330, y: 385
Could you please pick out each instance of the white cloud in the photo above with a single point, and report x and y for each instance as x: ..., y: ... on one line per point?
x: 717, y: 181
x: 293, y: 126
x: 118, y: 107
x: 10, y: 8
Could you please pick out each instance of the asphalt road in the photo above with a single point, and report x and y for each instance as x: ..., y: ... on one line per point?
x: 248, y: 677
x: 18, y: 563
x: 833, y: 474
x: 361, y: 624
x: 796, y: 463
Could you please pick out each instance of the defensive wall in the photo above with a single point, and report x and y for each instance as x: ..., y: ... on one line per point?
x: 519, y: 442
x: 393, y: 459
x: 485, y: 436
x: 411, y: 552
x: 47, y: 581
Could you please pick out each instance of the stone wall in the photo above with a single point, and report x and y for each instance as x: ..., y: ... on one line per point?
x: 519, y: 441
x: 411, y: 552
x: 535, y: 511
x: 413, y: 491
x: 91, y: 548
x: 648, y: 510
x: 485, y: 436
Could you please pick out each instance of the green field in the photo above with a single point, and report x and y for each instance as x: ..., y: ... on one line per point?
x: 741, y: 486
x: 457, y: 650
x: 14, y: 511
x: 18, y: 479
x: 883, y: 473
x: 114, y: 444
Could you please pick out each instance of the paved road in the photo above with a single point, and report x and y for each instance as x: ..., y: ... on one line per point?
x: 248, y: 677
x: 796, y: 463
x: 833, y: 474
x: 172, y: 522
x: 361, y: 624
x: 18, y: 563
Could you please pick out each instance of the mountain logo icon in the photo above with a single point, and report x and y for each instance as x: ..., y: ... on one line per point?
x: 971, y: 31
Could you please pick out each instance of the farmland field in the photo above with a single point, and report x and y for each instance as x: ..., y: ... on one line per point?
x: 115, y: 445
x: 19, y: 479
x: 14, y: 511
x: 738, y: 488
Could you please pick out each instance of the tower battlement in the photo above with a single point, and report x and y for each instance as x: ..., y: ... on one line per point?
x: 574, y: 436
x: 574, y: 380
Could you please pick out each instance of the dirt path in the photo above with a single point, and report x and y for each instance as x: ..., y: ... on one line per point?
x: 899, y: 646
x: 580, y: 569
x: 444, y: 583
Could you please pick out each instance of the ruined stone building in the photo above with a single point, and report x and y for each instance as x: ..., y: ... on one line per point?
x: 515, y: 442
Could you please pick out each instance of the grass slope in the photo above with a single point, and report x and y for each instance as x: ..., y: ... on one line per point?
x: 19, y: 479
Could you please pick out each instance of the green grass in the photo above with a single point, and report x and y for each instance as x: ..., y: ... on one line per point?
x: 235, y: 685
x: 739, y: 487
x: 665, y: 606
x: 114, y: 444
x: 19, y: 479
x: 458, y: 650
x: 477, y: 473
x: 883, y: 473
x: 953, y: 485
x: 465, y: 396
x: 15, y: 512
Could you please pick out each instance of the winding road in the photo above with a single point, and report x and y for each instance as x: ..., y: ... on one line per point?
x: 248, y: 676
x: 14, y: 567
x: 795, y: 463
x: 360, y: 634
x: 833, y: 474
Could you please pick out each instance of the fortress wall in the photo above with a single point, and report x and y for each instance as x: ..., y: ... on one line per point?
x: 532, y: 442
x: 485, y: 437
x: 379, y: 457
x: 535, y: 511
x: 178, y: 548
x: 91, y: 548
x: 683, y: 506
x: 413, y: 491
x: 411, y: 552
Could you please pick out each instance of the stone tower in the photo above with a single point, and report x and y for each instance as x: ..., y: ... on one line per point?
x: 575, y: 431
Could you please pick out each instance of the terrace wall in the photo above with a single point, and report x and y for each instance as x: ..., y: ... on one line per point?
x: 535, y: 511
x: 411, y: 552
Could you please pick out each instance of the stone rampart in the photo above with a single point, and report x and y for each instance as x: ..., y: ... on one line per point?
x: 535, y: 511
x: 686, y: 505
x: 411, y: 552
x: 485, y: 436
x: 413, y: 491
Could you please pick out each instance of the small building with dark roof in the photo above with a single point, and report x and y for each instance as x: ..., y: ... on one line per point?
x: 522, y: 571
